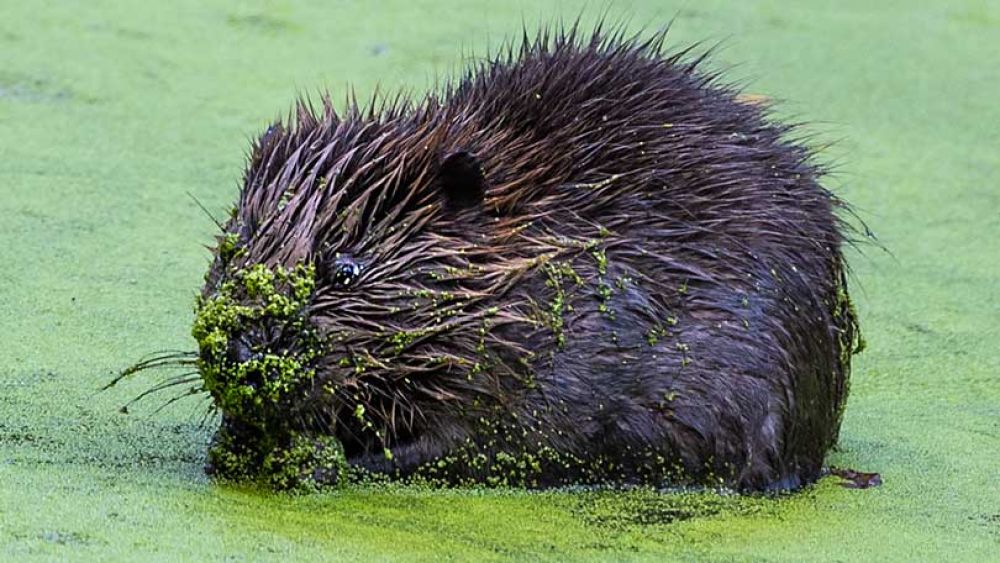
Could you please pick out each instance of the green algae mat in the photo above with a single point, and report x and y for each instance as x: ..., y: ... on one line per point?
x: 111, y: 113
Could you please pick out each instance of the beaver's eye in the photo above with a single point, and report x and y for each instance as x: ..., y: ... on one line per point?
x: 345, y: 272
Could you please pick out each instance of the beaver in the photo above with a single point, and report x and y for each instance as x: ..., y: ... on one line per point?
x: 586, y: 260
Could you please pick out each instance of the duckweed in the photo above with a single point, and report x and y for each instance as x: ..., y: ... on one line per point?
x: 252, y: 391
x: 251, y: 298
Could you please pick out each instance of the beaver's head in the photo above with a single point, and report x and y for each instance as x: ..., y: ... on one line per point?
x: 353, y: 274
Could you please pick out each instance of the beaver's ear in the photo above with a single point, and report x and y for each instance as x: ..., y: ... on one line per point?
x: 462, y: 181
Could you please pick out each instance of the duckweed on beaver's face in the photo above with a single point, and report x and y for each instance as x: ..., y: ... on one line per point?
x: 251, y: 300
x: 256, y: 298
x: 253, y: 386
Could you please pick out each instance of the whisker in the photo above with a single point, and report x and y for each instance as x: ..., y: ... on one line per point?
x: 167, y: 358
x: 211, y: 410
x: 191, y: 391
x: 173, y: 382
x: 206, y: 211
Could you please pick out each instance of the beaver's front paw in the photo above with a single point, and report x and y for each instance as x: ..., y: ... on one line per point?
x: 305, y: 464
x: 235, y: 453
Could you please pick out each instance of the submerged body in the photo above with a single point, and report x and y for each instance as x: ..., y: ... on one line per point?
x: 584, y: 262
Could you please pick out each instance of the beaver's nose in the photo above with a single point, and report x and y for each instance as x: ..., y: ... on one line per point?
x: 239, y: 350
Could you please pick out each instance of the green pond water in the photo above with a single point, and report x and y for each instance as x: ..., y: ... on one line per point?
x: 112, y: 112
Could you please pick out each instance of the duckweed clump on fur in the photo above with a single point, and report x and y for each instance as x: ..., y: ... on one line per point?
x: 306, y: 464
x: 558, y: 274
x: 229, y: 247
x: 254, y: 297
x: 296, y: 463
x: 254, y: 391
